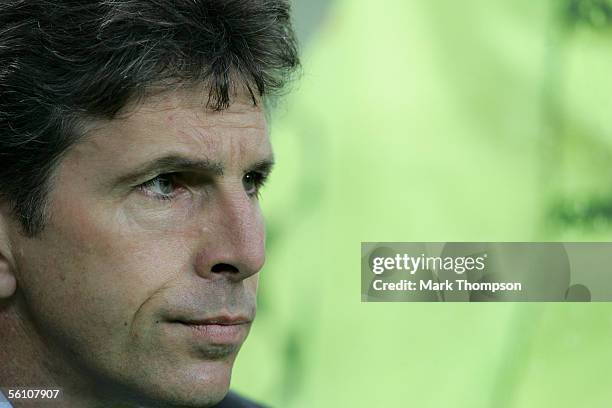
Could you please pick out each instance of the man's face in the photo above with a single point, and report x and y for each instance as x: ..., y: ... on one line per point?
x: 145, y: 275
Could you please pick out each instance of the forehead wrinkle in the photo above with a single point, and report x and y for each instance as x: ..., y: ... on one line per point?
x: 231, y: 121
x: 212, y: 137
x: 190, y: 128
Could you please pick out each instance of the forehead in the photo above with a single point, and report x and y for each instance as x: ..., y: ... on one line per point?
x: 177, y: 123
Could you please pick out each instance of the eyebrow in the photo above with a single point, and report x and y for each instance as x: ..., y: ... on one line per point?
x: 176, y: 163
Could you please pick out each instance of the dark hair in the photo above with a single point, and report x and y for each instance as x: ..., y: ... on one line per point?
x: 63, y: 61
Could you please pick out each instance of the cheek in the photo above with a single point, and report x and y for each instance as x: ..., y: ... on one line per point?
x: 159, y: 218
x: 251, y: 284
x: 86, y: 278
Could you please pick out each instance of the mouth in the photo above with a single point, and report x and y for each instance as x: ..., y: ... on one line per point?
x: 219, y: 330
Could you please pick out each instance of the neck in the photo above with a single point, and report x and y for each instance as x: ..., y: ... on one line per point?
x: 27, y: 361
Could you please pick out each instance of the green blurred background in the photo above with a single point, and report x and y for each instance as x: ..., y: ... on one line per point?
x: 432, y: 120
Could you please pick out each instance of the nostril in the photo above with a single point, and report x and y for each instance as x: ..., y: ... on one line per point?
x: 223, y: 267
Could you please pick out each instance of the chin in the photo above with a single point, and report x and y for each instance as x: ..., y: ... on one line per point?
x: 201, y: 385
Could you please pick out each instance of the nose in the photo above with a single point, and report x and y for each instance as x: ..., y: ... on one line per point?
x: 233, y: 238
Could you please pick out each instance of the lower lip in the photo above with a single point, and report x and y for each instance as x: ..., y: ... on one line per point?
x: 218, y: 333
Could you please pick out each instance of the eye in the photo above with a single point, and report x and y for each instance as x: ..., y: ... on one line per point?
x: 162, y: 187
x: 252, y: 182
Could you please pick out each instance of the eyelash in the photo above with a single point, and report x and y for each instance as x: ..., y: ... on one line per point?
x: 258, y: 181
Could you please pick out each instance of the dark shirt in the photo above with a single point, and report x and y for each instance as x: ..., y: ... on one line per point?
x: 233, y: 400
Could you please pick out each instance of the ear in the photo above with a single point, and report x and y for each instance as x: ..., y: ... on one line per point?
x: 8, y: 283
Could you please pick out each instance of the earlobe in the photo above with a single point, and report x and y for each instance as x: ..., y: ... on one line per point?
x: 8, y: 283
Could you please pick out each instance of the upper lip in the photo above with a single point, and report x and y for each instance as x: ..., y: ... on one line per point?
x: 225, y: 320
